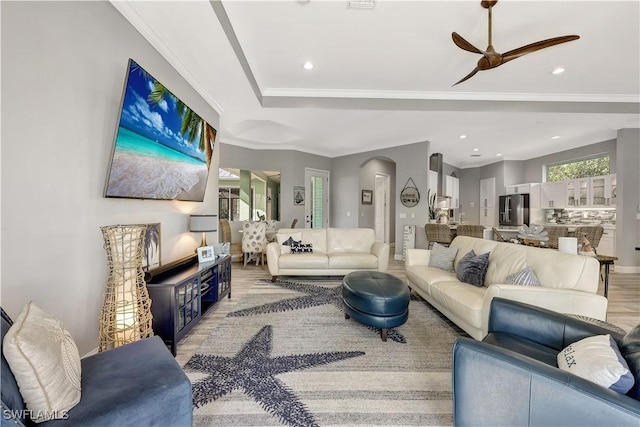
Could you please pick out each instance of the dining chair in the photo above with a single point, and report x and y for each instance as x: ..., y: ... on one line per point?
x: 254, y: 242
x: 440, y: 233
x: 293, y: 224
x: 593, y: 233
x: 553, y: 233
x: 470, y: 230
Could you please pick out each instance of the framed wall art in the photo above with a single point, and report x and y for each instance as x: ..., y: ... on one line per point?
x: 298, y: 196
x: 367, y: 197
x: 151, y: 256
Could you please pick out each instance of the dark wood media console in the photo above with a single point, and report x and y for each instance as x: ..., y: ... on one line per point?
x: 183, y: 291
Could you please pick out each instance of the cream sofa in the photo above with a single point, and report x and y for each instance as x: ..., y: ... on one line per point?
x: 568, y: 282
x: 336, y: 252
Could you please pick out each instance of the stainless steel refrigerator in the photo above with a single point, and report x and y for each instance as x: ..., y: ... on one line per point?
x: 514, y: 209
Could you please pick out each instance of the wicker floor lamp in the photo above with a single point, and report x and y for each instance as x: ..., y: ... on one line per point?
x: 126, y: 307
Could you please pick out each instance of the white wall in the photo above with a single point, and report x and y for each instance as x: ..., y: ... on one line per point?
x: 63, y: 69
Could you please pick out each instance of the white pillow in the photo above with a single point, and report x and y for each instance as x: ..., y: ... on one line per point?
x: 45, y: 362
x: 598, y: 360
x: 283, y: 237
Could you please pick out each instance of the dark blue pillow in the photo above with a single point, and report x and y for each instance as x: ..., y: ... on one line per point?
x: 472, y: 268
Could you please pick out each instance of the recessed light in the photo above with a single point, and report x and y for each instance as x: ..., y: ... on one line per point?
x: 463, y: 136
x: 307, y: 65
x: 555, y: 137
x: 557, y: 71
x: 499, y: 155
x: 476, y: 149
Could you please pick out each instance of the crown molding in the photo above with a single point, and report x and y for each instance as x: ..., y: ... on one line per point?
x: 131, y: 14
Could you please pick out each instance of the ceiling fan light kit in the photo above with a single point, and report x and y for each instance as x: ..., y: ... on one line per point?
x: 491, y: 58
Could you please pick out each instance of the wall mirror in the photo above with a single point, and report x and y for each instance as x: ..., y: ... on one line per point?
x: 248, y: 195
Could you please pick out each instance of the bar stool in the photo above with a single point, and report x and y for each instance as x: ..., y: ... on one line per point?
x: 470, y: 230
x: 440, y: 233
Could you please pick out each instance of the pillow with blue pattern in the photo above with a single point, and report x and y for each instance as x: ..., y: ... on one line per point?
x: 302, y: 248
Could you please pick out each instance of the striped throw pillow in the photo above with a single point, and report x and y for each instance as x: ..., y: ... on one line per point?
x: 524, y: 277
x: 442, y: 257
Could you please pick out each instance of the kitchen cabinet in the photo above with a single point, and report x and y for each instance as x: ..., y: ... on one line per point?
x: 452, y: 190
x: 488, y: 217
x: 433, y: 182
x: 602, y: 191
x: 487, y: 193
x: 607, y: 244
x: 578, y: 193
x: 553, y: 195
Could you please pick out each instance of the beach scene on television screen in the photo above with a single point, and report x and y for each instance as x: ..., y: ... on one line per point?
x: 162, y: 148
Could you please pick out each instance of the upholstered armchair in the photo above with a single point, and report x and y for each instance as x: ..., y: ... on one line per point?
x: 512, y: 376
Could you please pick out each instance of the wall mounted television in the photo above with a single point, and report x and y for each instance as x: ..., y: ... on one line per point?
x: 162, y: 148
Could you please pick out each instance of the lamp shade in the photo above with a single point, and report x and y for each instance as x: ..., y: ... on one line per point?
x: 203, y: 223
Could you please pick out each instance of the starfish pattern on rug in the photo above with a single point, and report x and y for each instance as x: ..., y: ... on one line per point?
x: 253, y: 370
x: 316, y: 295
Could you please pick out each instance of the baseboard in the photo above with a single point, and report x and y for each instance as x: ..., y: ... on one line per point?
x: 632, y: 269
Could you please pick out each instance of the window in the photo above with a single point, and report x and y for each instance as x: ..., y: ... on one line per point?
x: 579, y: 169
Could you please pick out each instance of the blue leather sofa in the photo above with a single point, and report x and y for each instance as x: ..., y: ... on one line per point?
x: 511, y: 377
x: 139, y: 384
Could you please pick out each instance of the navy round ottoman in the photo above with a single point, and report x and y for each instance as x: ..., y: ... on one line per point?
x: 375, y: 299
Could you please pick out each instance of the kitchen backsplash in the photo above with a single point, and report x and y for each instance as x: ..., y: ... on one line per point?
x: 584, y: 217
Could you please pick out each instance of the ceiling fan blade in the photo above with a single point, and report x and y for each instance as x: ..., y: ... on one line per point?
x: 468, y: 76
x: 465, y: 45
x: 516, y: 53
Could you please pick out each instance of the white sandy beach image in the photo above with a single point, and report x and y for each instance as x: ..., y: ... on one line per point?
x: 139, y: 176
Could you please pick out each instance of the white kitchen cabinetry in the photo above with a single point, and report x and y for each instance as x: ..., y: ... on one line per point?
x: 578, y: 193
x: 433, y: 182
x: 602, y: 191
x: 487, y: 193
x: 488, y: 217
x: 532, y: 189
x: 452, y: 190
x: 553, y: 195
x: 607, y: 245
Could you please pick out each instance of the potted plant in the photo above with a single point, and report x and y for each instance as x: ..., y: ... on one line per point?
x: 433, y: 209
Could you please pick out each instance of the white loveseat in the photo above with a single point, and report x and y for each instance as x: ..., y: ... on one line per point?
x: 336, y: 252
x: 568, y: 282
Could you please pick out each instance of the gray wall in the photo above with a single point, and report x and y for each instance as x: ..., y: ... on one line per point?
x: 367, y: 176
x: 411, y: 161
x: 63, y: 70
x: 291, y: 165
x: 628, y: 204
x: 534, y: 168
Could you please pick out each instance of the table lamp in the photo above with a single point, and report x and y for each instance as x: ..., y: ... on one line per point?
x: 203, y: 223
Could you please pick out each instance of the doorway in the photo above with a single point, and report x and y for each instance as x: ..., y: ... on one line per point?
x: 316, y: 208
x: 381, y: 207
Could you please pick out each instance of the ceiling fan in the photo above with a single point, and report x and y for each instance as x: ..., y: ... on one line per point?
x: 491, y: 58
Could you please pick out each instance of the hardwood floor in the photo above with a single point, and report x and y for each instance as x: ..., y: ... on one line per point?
x: 623, y: 311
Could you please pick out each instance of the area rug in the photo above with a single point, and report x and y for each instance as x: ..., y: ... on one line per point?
x: 288, y: 357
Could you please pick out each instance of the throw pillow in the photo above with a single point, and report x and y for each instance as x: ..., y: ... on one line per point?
x: 524, y: 277
x: 442, y: 257
x: 285, y: 248
x: 598, y: 360
x: 45, y: 362
x: 472, y: 268
x: 302, y: 248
